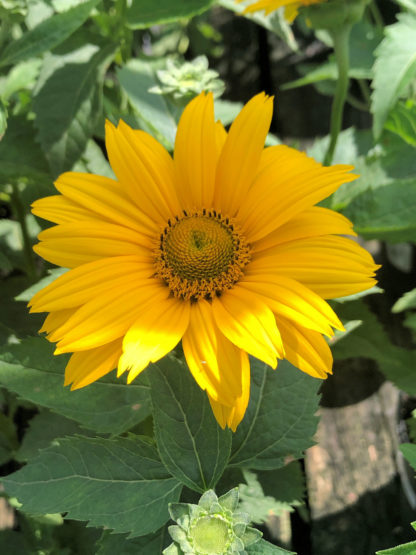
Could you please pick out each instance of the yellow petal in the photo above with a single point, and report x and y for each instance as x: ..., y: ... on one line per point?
x: 214, y: 361
x: 232, y: 416
x: 108, y: 317
x: 287, y: 183
x: 196, y: 155
x: 331, y: 266
x: 94, y: 279
x: 157, y: 331
x: 249, y: 323
x: 144, y: 169
x: 86, y: 367
x: 59, y: 210
x: 104, y: 198
x: 75, y: 243
x: 294, y: 301
x: 56, y: 319
x: 240, y: 156
x: 306, y: 349
x: 312, y: 222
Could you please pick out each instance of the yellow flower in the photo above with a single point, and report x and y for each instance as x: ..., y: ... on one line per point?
x: 269, y: 6
x: 220, y: 247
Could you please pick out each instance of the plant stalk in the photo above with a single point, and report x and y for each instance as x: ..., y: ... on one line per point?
x: 340, y: 37
x: 20, y: 215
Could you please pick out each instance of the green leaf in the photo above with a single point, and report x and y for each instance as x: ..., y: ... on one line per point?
x: 402, y: 121
x: 136, y: 78
x: 14, y: 543
x: 408, y: 300
x: 120, y: 484
x: 254, y: 502
x: 394, y: 68
x: 145, y: 13
x: 8, y: 439
x: 373, y: 216
x: 20, y: 155
x: 152, y: 544
x: 227, y: 111
x: 409, y: 452
x: 68, y: 104
x: 410, y: 321
x: 22, y: 76
x: 43, y: 429
x: 263, y: 547
x: 32, y: 371
x: 280, y: 418
x: 286, y: 484
x: 48, y: 34
x: 371, y: 341
x: 191, y: 444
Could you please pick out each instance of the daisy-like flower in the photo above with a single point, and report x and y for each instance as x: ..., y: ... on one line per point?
x: 220, y: 247
x: 269, y: 6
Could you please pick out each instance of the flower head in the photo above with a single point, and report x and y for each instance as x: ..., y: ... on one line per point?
x: 220, y: 246
x: 213, y: 527
x: 269, y: 6
x: 185, y: 80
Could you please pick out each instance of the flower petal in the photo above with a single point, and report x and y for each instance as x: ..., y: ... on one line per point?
x: 59, y: 210
x: 158, y: 329
x: 214, y: 361
x: 94, y: 279
x: 240, y: 156
x: 331, y: 266
x: 104, y: 319
x: 196, y: 153
x: 312, y: 222
x: 287, y: 183
x: 89, y: 366
x: 294, y: 301
x: 75, y: 243
x: 249, y: 323
x: 232, y: 416
x: 145, y: 170
x: 306, y: 349
x: 104, y: 198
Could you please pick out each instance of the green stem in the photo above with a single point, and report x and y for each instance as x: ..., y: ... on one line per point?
x: 20, y: 215
x: 377, y: 17
x: 340, y: 37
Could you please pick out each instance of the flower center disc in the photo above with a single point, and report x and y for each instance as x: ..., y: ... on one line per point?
x: 201, y: 255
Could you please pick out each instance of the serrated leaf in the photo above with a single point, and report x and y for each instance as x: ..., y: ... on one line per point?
x: 386, y: 212
x: 48, y: 34
x: 191, y: 444
x: 371, y: 341
x: 30, y: 370
x: 152, y: 544
x: 136, y: 78
x: 254, y: 501
x: 263, y: 547
x: 68, y: 106
x: 402, y: 121
x: 22, y: 76
x: 43, y: 429
x: 117, y: 483
x: 408, y: 300
x: 280, y: 418
x: 394, y: 69
x: 145, y: 13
